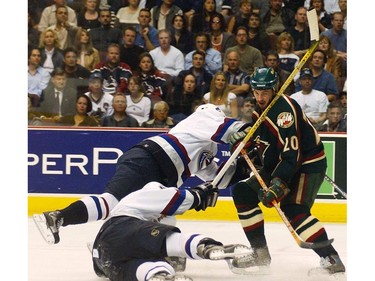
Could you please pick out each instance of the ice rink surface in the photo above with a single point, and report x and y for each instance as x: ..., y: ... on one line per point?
x: 70, y: 259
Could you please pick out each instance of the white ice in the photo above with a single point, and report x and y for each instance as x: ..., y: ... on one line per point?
x: 70, y: 259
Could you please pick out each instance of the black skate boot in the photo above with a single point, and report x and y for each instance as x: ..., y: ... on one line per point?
x: 164, y: 276
x: 48, y: 224
x: 332, y: 264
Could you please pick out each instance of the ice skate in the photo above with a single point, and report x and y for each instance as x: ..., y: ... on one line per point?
x: 330, y: 265
x: 48, y: 225
x: 256, y: 263
x: 163, y: 276
x: 216, y: 252
x: 178, y: 263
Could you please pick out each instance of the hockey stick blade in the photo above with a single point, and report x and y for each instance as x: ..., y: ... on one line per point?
x: 315, y: 245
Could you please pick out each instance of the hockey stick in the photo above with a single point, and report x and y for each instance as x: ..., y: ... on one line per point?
x: 335, y: 186
x: 314, y: 33
x: 297, y: 238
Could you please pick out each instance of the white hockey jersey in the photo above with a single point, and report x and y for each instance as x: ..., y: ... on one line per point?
x: 153, y: 202
x: 192, y: 143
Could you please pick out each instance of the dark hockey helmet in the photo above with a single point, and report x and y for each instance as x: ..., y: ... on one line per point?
x: 263, y: 78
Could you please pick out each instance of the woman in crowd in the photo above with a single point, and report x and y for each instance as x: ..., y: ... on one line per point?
x: 88, y: 56
x: 220, y: 95
x: 182, y: 38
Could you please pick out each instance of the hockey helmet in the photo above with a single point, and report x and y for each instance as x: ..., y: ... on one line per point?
x: 264, y: 78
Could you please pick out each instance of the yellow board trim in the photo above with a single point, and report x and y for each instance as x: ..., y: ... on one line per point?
x: 325, y: 211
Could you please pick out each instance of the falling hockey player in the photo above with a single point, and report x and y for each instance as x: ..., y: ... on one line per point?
x: 292, y: 164
x: 132, y: 244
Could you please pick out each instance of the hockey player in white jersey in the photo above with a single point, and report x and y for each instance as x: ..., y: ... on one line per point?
x: 132, y: 244
x: 170, y: 158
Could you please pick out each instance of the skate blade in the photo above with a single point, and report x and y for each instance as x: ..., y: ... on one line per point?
x: 90, y: 246
x: 40, y: 222
x: 230, y: 252
x: 323, y: 274
x: 251, y: 270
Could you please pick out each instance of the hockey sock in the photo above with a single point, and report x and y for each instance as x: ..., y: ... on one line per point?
x: 90, y: 208
x: 183, y: 245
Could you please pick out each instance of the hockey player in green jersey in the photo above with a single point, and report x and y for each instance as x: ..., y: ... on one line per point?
x: 291, y: 161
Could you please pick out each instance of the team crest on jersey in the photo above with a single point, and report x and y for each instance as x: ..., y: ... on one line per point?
x: 285, y: 120
x: 205, y: 159
x: 155, y: 232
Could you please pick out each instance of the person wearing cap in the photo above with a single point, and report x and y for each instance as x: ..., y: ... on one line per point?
x: 101, y: 101
x: 313, y: 102
x: 292, y: 163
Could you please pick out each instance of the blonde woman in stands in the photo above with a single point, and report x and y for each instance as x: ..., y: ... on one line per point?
x: 220, y: 95
x: 139, y: 106
x: 51, y: 54
x: 285, y: 48
x: 88, y: 56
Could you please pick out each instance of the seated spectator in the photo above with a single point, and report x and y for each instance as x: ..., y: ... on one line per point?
x: 33, y: 118
x: 220, y: 95
x: 338, y: 35
x: 87, y: 55
x: 185, y: 99
x: 138, y: 105
x: 272, y: 60
x: 111, y: 34
x: 153, y: 82
x: 163, y: 13
x: 200, y: 21
x: 167, y: 58
x: 38, y: 77
x: 221, y: 40
x: 33, y: 34
x: 161, y: 118
x: 344, y: 10
x: 257, y: 36
x: 48, y: 16
x: 101, y: 102
x: 88, y: 17
x: 300, y: 32
x: 52, y: 55
x: 246, y: 109
x: 57, y: 98
x: 313, y: 102
x: 119, y: 118
x: 65, y: 32
x: 241, y: 17
x: 335, y: 63
x: 202, y: 76
x: 285, y: 48
x: 324, y: 18
x: 335, y: 121
x: 77, y: 75
x: 323, y: 80
x: 238, y: 80
x: 251, y: 57
x: 129, y: 52
x: 128, y: 15
x: 182, y: 38
x: 278, y: 18
x: 115, y: 74
x: 213, y: 61
x: 147, y: 35
x: 81, y: 117
x: 343, y: 97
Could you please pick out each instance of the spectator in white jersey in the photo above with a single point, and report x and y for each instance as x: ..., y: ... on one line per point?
x: 138, y: 105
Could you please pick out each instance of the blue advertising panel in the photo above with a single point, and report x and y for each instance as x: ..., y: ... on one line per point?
x: 81, y: 161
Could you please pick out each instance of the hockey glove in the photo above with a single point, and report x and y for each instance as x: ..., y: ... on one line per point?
x: 236, y: 138
x: 276, y: 192
x: 205, y: 195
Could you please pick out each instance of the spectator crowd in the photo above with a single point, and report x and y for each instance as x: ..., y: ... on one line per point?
x: 141, y: 63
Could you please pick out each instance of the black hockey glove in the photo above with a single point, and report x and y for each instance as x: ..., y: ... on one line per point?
x: 276, y: 192
x: 236, y: 138
x: 205, y: 195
